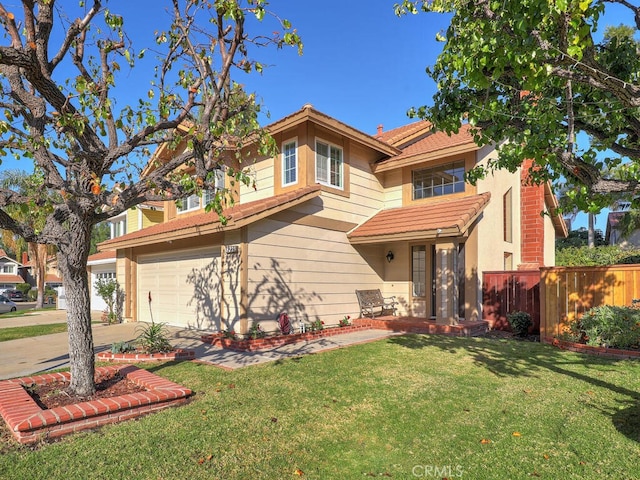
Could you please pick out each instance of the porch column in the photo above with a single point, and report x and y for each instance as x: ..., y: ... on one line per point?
x: 445, y: 283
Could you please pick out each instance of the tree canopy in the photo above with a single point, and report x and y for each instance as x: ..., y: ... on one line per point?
x: 535, y: 76
x: 64, y: 66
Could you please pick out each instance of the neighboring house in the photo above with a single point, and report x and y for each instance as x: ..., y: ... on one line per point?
x: 339, y: 210
x: 52, y: 278
x: 102, y: 265
x: 613, y: 234
x: 9, y: 272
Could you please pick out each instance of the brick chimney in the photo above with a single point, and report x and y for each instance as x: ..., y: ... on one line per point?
x: 25, y: 258
x: 380, y: 128
x: 531, y: 222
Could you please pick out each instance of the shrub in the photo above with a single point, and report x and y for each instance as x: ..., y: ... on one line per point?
x: 24, y: 288
x: 607, y: 326
x: 317, y: 325
x: 256, y: 331
x: 122, y: 347
x: 520, y: 323
x: 153, y: 338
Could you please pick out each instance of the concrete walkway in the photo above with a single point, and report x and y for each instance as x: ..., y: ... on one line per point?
x: 38, y: 354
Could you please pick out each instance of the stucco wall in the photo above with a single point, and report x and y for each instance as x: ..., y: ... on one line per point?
x: 491, y: 241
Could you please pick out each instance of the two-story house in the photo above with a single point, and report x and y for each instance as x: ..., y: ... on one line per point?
x: 9, y: 272
x: 102, y: 265
x: 338, y: 210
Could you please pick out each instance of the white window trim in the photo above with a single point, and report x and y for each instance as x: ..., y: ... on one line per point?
x: 219, y: 182
x: 293, y: 140
x: 328, y: 182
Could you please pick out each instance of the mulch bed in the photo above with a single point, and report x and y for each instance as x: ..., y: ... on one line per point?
x: 54, y: 395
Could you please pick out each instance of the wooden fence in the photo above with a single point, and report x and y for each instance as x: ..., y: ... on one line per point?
x: 567, y: 292
x: 511, y: 291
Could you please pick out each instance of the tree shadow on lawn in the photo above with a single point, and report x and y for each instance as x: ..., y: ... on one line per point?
x: 514, y: 358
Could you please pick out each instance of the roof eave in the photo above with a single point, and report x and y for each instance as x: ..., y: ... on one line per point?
x: 559, y: 225
x: 207, y: 228
x: 392, y: 164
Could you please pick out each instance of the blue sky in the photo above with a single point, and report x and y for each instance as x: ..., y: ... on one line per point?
x: 361, y: 64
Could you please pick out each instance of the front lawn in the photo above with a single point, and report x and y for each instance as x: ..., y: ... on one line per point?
x: 408, y: 407
x: 15, y: 333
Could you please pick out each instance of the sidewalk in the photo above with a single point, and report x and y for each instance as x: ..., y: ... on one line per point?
x: 37, y: 354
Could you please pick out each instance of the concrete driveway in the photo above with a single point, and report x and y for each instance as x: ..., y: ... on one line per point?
x: 26, y: 356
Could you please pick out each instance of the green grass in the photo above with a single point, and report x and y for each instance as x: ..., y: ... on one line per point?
x: 408, y: 407
x: 14, y: 333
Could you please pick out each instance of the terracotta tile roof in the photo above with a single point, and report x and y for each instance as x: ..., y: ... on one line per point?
x: 396, y: 136
x: 434, y: 146
x: 9, y: 278
x: 205, y: 223
x: 106, y: 255
x: 445, y: 218
x: 3, y: 253
x: 51, y: 278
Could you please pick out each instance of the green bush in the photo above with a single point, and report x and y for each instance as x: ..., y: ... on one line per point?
x: 607, y: 326
x: 598, y: 256
x: 122, y: 347
x: 24, y: 288
x: 519, y: 323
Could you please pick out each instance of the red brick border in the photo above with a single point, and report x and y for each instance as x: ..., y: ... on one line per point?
x: 29, y: 423
x: 178, y: 354
x: 251, y: 345
x: 588, y: 349
x: 412, y: 325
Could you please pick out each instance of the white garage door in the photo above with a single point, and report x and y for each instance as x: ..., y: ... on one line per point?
x: 105, y: 272
x: 184, y: 287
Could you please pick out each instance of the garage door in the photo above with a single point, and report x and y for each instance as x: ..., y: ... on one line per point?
x: 104, y: 272
x: 184, y: 287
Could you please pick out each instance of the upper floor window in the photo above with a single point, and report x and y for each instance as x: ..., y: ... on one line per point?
x: 290, y: 162
x: 329, y: 164
x: 7, y: 268
x: 118, y: 227
x: 437, y: 181
x: 194, y: 202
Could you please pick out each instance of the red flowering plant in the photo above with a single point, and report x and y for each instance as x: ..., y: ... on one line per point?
x: 229, y: 334
x: 345, y: 321
x: 317, y: 325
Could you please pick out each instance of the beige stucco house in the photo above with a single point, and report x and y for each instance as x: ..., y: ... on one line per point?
x: 339, y: 210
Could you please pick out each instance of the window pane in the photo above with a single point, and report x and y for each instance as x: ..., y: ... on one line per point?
x: 419, y: 270
x: 289, y: 163
x: 322, y: 156
x: 336, y: 167
x: 437, y: 181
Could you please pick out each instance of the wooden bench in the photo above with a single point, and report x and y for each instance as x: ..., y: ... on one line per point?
x: 373, y: 304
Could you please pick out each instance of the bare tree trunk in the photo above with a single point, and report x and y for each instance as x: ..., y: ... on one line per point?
x: 38, y: 252
x: 591, y: 232
x: 72, y: 262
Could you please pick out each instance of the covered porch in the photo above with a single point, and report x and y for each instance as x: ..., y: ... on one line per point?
x: 431, y: 263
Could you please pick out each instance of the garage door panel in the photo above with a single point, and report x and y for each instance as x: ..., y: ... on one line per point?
x: 184, y: 288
